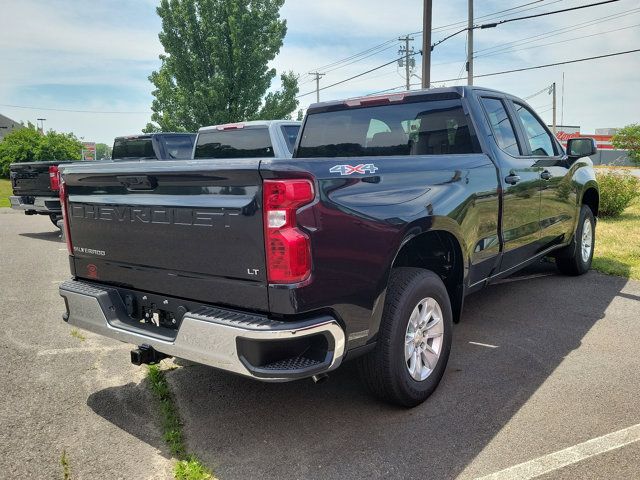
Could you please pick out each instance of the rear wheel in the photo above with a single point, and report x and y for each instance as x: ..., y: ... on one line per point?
x: 414, y: 339
x: 577, y: 258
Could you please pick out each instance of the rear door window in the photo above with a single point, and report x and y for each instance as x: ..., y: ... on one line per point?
x: 438, y: 127
x: 501, y: 125
x: 236, y: 143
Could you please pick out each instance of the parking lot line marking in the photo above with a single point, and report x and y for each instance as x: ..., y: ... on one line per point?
x: 560, y: 459
x: 483, y: 345
x: 62, y: 351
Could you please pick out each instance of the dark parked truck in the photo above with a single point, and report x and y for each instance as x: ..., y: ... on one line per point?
x: 363, y: 245
x: 154, y: 146
x: 35, y: 189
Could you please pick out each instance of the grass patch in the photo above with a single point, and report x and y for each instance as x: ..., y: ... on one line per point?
x: 618, y: 244
x: 66, y: 469
x: 188, y: 466
x: 5, y: 192
x: 75, y: 333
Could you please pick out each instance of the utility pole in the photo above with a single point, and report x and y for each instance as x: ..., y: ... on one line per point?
x: 409, y: 61
x: 318, y: 76
x: 470, y: 45
x: 41, y: 121
x: 426, y: 43
x: 554, y: 125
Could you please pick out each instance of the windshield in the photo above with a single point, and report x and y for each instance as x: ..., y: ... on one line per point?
x: 438, y: 127
x: 237, y: 143
x: 124, y: 148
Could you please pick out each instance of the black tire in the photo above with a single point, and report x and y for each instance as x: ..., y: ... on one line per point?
x: 384, y: 370
x: 55, y: 219
x: 571, y: 261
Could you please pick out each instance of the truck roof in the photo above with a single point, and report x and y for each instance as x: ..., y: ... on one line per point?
x: 445, y: 92
x: 253, y: 123
x: 149, y: 135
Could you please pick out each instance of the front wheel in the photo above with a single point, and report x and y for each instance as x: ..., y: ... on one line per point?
x: 577, y: 258
x: 414, y: 339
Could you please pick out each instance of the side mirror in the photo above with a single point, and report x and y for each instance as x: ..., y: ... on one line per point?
x: 581, y: 147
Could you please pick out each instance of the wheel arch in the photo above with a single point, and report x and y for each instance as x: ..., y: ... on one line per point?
x: 591, y: 197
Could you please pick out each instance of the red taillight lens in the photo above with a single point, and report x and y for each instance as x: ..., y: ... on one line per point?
x: 288, y: 248
x: 65, y: 217
x: 54, y: 178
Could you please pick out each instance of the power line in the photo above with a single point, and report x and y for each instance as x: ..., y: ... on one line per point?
x: 72, y: 111
x: 560, y: 31
x: 557, y: 42
x: 579, y: 7
x: 354, y: 76
x: 544, y: 66
x: 508, y: 20
x: 380, y: 47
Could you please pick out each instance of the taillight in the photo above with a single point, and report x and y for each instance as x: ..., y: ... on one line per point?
x: 288, y: 247
x: 54, y: 178
x: 64, y: 201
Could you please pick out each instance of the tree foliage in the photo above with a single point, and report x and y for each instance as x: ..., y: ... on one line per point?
x: 29, y: 145
x: 628, y: 138
x: 103, y: 151
x: 216, y: 64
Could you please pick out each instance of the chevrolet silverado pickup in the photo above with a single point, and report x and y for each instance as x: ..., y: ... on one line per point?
x: 153, y: 146
x: 35, y: 184
x: 35, y: 189
x: 361, y: 246
x: 257, y: 139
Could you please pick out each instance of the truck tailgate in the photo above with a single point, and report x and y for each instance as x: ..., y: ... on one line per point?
x: 31, y: 178
x: 189, y: 229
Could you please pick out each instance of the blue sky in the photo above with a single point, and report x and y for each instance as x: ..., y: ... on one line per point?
x: 96, y: 56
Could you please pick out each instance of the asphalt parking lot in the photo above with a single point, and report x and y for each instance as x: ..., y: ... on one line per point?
x: 543, y: 382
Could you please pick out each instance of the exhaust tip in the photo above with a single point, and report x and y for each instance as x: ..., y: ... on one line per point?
x: 320, y: 378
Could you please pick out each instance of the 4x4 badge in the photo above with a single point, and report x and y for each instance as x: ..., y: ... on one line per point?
x: 349, y: 169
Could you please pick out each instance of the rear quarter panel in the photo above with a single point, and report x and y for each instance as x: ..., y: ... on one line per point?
x: 359, y: 222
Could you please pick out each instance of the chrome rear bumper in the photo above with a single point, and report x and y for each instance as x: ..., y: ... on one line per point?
x: 219, y: 338
x: 44, y: 205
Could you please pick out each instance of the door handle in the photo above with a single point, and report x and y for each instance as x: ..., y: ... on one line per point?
x: 546, y: 175
x: 512, y: 179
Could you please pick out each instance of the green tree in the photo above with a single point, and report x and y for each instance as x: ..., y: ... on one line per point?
x: 28, y: 145
x: 216, y: 64
x: 628, y: 138
x: 103, y: 151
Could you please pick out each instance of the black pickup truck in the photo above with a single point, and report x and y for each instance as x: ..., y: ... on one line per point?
x: 35, y: 189
x: 363, y: 245
x: 35, y: 184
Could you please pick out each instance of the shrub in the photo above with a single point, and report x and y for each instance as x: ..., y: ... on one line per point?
x: 617, y: 192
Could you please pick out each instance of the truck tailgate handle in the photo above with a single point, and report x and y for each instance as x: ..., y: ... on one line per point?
x: 138, y: 182
x: 512, y: 179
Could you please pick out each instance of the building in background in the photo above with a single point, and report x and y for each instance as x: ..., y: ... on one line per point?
x: 607, y: 154
x: 7, y: 126
x: 89, y: 151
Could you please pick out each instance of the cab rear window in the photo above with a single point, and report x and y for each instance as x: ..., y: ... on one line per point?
x: 438, y: 127
x: 237, y: 143
x: 133, y: 148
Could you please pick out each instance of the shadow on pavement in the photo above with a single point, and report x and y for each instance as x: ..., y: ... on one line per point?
x: 246, y: 429
x: 53, y: 236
